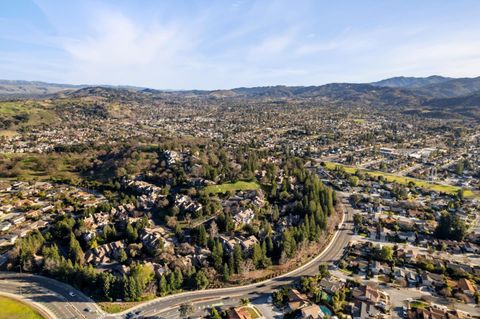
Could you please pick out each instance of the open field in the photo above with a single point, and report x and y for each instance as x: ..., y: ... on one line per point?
x: 443, y: 188
x: 11, y: 308
x: 38, y: 166
x: 27, y: 113
x: 237, y: 186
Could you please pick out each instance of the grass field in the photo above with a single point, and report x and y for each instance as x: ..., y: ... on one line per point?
x: 10, y: 308
x: 35, y: 112
x: 237, y: 186
x: 448, y: 189
x: 39, y: 166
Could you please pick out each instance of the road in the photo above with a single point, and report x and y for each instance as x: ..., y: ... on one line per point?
x: 55, y: 296
x: 50, y: 295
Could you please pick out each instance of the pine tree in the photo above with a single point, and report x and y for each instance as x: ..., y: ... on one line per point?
x: 202, y: 236
x: 237, y: 258
x: 225, y: 273
x: 178, y: 279
x: 257, y: 256
x: 163, y: 285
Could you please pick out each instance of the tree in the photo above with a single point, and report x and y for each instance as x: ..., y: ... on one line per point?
x: 178, y: 278
x: 122, y: 256
x: 107, y: 281
x: 237, y: 258
x: 288, y: 243
x: 75, y: 252
x: 353, y: 181
x: 185, y: 309
x: 131, y: 233
x: 214, y: 314
x: 323, y: 270
x: 244, y: 301
x: 202, y: 236
x: 213, y: 230
x: 385, y: 253
x: 450, y: 227
x: 201, y: 280
x: 257, y: 256
x: 109, y: 233
x: 163, y: 285
x: 225, y: 273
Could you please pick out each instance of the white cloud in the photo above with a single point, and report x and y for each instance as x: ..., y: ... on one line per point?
x: 272, y: 45
x: 127, y: 52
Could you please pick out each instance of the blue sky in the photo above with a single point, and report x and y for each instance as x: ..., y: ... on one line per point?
x: 223, y: 44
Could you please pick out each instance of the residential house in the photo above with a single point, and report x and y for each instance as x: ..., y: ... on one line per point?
x: 297, y: 300
x: 466, y: 286
x: 331, y: 284
x: 372, y: 295
x: 312, y: 311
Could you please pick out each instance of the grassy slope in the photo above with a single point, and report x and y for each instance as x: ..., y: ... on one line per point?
x: 38, y: 113
x: 14, y: 309
x: 237, y: 186
x: 449, y: 189
x: 57, y: 165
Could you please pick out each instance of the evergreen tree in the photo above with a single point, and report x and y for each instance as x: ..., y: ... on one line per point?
x: 237, y: 258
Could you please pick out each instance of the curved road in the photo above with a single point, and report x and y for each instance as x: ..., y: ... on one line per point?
x: 56, y: 298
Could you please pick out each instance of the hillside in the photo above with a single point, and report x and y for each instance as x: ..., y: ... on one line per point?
x: 9, y: 88
x: 452, y: 88
x: 411, y: 82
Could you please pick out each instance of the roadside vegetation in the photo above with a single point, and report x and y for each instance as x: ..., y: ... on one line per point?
x: 10, y: 308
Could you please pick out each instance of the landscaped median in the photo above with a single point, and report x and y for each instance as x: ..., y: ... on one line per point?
x: 442, y: 188
x: 13, y: 308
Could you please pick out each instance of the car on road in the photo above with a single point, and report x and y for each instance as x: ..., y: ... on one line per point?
x: 87, y: 310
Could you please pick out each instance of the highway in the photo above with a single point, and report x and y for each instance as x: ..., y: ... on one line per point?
x: 55, y: 297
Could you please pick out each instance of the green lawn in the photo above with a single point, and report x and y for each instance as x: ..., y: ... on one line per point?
x: 11, y: 308
x: 449, y: 189
x: 237, y: 186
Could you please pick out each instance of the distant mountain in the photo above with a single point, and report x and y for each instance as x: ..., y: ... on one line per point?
x: 364, y: 93
x: 13, y: 88
x: 468, y: 106
x: 411, y: 82
x: 434, y: 86
x: 452, y: 88
x: 20, y: 89
x: 472, y: 100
